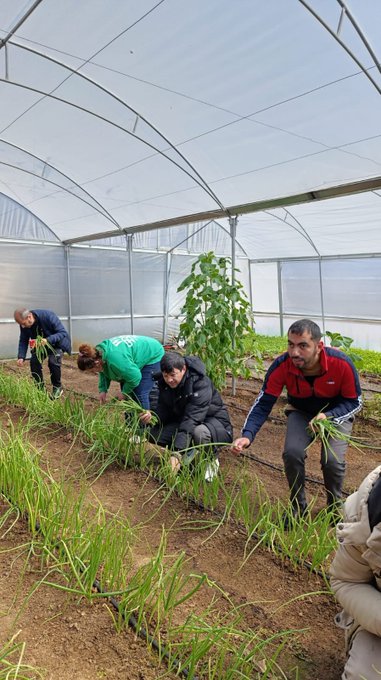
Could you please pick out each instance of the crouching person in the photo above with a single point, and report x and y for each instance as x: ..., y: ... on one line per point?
x: 189, y: 410
x: 356, y: 579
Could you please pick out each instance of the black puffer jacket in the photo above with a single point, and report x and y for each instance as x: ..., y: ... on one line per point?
x: 194, y: 401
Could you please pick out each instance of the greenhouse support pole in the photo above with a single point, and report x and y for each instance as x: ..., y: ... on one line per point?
x: 321, y: 297
x: 233, y: 232
x: 251, y: 295
x: 280, y: 297
x: 129, y: 238
x: 168, y: 260
x: 69, y: 314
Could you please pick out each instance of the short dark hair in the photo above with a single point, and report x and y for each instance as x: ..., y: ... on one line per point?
x: 299, y: 327
x: 170, y: 361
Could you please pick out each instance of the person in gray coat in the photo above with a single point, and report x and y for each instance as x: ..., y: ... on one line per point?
x: 356, y: 579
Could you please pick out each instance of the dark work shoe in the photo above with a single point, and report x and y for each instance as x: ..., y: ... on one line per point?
x: 57, y: 392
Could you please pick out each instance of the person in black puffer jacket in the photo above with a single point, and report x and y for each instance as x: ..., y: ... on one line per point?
x: 189, y: 409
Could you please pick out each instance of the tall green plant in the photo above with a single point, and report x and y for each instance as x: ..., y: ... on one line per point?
x: 218, y: 319
x: 344, y: 343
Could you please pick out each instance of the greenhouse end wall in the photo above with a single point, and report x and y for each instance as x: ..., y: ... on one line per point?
x: 348, y: 300
x: 90, y: 290
x: 93, y: 290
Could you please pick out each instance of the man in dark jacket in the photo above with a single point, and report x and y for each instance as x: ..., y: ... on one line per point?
x: 43, y: 332
x: 190, y: 410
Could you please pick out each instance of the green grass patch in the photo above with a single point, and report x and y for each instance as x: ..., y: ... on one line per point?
x: 271, y: 346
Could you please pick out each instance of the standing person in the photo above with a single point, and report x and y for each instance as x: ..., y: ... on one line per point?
x: 42, y: 324
x: 356, y: 579
x: 321, y: 382
x: 190, y: 410
x: 132, y: 360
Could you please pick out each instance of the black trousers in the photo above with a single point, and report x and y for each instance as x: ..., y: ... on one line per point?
x: 54, y: 364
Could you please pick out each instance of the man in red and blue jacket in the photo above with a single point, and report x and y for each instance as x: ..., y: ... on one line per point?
x: 321, y: 382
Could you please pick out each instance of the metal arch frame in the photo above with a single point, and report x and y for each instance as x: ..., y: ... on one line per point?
x: 102, y: 210
x: 336, y: 37
x: 347, y: 12
x: 168, y: 258
x: 33, y: 214
x: 197, y: 178
x: 49, y: 181
x: 222, y: 211
x: 3, y: 41
x: 229, y: 234
x: 304, y: 234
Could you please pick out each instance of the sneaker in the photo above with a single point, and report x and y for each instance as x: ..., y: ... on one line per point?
x: 188, y: 456
x: 211, y: 470
x: 57, y: 392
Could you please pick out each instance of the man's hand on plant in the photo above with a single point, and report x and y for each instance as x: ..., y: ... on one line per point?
x: 120, y: 396
x: 320, y: 416
x: 102, y: 397
x: 20, y: 362
x: 240, y: 444
x: 146, y: 417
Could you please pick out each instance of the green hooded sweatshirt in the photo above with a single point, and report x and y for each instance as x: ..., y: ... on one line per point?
x: 124, y: 356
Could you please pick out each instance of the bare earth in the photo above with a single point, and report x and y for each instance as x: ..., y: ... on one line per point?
x: 74, y: 640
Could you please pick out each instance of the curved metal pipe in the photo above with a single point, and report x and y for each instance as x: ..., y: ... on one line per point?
x: 73, y: 182
x: 201, y: 182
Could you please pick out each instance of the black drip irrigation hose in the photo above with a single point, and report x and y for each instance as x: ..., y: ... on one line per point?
x: 220, y: 515
x: 144, y: 634
x: 131, y: 620
x: 279, y: 468
x: 200, y: 506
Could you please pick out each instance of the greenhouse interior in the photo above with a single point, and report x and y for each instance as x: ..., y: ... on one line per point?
x: 134, y: 140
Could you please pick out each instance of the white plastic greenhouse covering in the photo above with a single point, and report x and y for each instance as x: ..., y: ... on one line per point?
x: 136, y: 134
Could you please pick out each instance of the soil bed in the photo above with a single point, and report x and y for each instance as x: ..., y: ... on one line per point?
x: 73, y: 639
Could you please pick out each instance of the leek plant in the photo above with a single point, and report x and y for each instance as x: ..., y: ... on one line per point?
x: 12, y: 666
x: 157, y: 589
x: 78, y: 542
x: 325, y: 430
x: 223, y: 648
x: 41, y: 347
x: 107, y: 439
x: 79, y: 545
